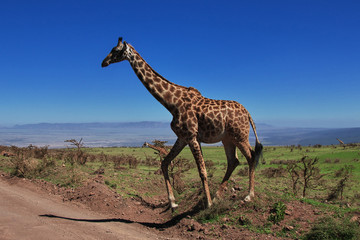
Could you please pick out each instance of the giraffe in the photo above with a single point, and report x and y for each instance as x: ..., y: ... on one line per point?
x: 7, y: 154
x: 196, y: 119
x: 162, y: 151
x: 340, y: 142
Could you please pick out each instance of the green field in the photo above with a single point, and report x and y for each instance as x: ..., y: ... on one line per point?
x: 135, y: 171
x: 331, y: 158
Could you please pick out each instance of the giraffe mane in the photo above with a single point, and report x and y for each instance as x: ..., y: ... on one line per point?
x: 158, y: 74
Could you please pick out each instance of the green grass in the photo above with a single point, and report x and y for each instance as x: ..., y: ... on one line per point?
x: 142, y: 180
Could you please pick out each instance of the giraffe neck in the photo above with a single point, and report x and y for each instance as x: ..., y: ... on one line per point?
x: 155, y: 148
x: 166, y: 92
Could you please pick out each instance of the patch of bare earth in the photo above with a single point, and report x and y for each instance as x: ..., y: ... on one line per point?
x: 154, y: 214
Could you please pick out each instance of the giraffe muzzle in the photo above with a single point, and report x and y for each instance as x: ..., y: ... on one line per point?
x: 105, y: 63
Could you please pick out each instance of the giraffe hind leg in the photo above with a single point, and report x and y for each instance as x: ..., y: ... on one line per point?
x: 232, y: 163
x: 249, y: 154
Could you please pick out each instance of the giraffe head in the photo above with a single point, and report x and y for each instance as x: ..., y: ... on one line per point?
x: 117, y: 54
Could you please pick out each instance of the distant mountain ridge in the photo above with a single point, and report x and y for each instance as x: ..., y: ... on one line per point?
x: 69, y: 126
x: 135, y: 133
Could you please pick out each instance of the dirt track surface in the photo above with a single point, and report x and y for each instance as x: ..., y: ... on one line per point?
x: 29, y: 214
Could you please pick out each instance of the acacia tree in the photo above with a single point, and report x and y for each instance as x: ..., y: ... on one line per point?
x: 80, y: 156
x: 305, y: 172
x: 295, y: 174
x: 310, y: 173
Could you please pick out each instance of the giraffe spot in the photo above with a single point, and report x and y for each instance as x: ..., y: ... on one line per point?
x: 172, y: 89
x: 211, y: 115
x: 159, y: 88
x: 165, y: 85
x: 150, y: 81
x: 177, y: 93
x: 184, y: 117
x: 156, y: 79
x: 180, y: 102
x: 141, y: 64
x: 167, y: 97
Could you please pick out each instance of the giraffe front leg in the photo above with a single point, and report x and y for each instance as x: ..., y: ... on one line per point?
x: 196, y: 151
x: 175, y: 150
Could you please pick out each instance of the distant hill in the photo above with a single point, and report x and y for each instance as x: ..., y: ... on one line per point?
x: 307, y: 136
x: 328, y: 137
x: 135, y: 133
x: 76, y: 126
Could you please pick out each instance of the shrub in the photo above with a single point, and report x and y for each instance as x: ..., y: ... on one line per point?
x: 329, y: 228
x: 177, y: 169
x: 274, y: 172
x: 133, y: 161
x: 244, y: 171
x: 345, y: 173
x: 277, y: 213
x: 215, y: 211
x: 306, y: 173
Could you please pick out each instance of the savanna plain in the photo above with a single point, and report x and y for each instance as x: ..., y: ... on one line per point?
x: 302, y: 192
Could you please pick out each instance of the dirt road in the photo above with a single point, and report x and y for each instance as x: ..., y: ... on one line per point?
x: 29, y: 214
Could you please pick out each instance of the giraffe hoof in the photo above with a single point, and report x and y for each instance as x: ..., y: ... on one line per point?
x: 247, y: 198
x: 174, y: 205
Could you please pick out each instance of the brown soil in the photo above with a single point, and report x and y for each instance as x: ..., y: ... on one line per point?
x: 132, y: 218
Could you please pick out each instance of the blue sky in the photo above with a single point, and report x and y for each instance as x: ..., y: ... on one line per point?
x: 290, y: 63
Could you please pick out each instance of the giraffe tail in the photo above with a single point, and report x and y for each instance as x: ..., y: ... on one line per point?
x: 258, y: 145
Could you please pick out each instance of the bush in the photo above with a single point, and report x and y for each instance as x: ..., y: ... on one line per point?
x: 133, y: 161
x: 214, y: 212
x: 244, y: 171
x: 277, y: 213
x: 274, y: 172
x: 345, y: 173
x: 329, y: 228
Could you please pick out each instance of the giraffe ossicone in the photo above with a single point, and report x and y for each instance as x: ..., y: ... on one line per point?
x: 196, y: 119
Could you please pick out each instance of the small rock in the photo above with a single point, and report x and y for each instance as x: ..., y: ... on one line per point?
x: 237, y: 188
x: 243, y: 220
x: 355, y: 219
x: 194, y: 226
x: 224, y: 226
x: 289, y: 228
